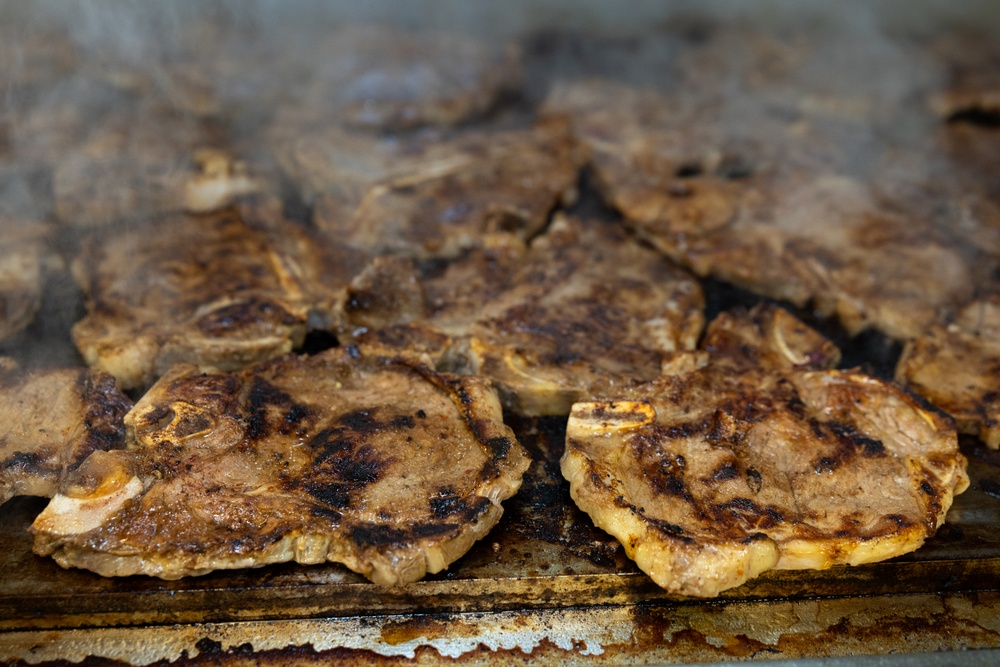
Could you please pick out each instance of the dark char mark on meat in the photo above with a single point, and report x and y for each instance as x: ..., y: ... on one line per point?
x: 343, y: 463
x: 263, y: 395
x: 849, y: 443
x: 247, y: 314
x: 104, y: 420
x: 747, y: 512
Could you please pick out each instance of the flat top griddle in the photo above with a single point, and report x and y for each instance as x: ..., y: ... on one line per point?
x: 545, y: 585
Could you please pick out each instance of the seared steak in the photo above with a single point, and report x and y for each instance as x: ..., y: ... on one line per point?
x: 749, y: 455
x: 50, y: 421
x: 430, y: 195
x: 386, y: 79
x: 376, y: 463
x: 581, y: 311
x: 744, y: 194
x: 225, y: 290
x: 957, y: 368
x: 139, y: 162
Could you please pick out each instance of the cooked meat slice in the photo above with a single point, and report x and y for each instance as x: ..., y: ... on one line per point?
x: 431, y: 196
x: 386, y: 79
x: 50, y: 421
x: 373, y: 462
x: 972, y: 86
x: 139, y: 162
x: 583, y: 310
x: 732, y: 464
x: 957, y: 368
x: 224, y: 290
x: 21, y: 284
x: 24, y: 251
x: 780, y: 208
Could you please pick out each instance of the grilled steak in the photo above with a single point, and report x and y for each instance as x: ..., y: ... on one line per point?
x: 140, y: 162
x: 384, y: 466
x: 50, y: 421
x: 386, y: 79
x: 429, y: 195
x: 957, y: 368
x: 225, y: 290
x: 748, y: 455
x: 582, y: 310
x: 781, y: 208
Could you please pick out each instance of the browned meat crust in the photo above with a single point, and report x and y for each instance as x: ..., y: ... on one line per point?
x: 50, y: 421
x: 429, y: 195
x: 382, y: 465
x: 732, y: 464
x: 769, y: 198
x: 583, y: 310
x: 957, y: 368
x: 225, y: 290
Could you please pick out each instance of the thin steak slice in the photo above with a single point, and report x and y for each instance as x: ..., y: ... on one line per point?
x: 749, y: 456
x: 771, y: 196
x: 373, y: 462
x: 50, y: 421
x: 428, y: 195
x: 957, y: 368
x: 583, y: 310
x: 226, y: 289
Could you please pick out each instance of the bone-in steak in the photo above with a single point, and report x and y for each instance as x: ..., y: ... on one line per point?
x: 428, y: 195
x: 584, y: 309
x: 770, y: 194
x: 957, y: 368
x: 748, y: 456
x: 50, y: 421
x: 376, y: 463
x: 226, y: 289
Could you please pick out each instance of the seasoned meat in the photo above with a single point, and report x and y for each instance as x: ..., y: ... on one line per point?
x: 582, y: 310
x: 957, y: 368
x: 386, y: 79
x: 50, y: 421
x: 748, y: 455
x: 225, y: 290
x: 384, y: 466
x: 141, y: 162
x: 430, y: 195
x: 770, y: 198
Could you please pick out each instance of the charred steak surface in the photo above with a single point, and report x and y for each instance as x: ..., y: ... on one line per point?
x: 50, y: 421
x: 773, y: 198
x: 582, y: 310
x: 225, y: 290
x: 748, y: 456
x: 957, y: 368
x: 376, y: 463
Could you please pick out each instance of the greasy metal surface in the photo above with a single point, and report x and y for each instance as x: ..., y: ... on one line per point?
x: 647, y: 634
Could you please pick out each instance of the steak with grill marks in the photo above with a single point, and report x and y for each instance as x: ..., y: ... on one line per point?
x: 430, y: 195
x: 581, y: 311
x: 771, y: 195
x: 749, y: 455
x: 226, y: 289
x: 50, y: 421
x: 373, y: 462
x: 957, y: 368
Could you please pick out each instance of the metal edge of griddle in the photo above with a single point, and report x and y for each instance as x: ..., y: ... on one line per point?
x: 262, y: 603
